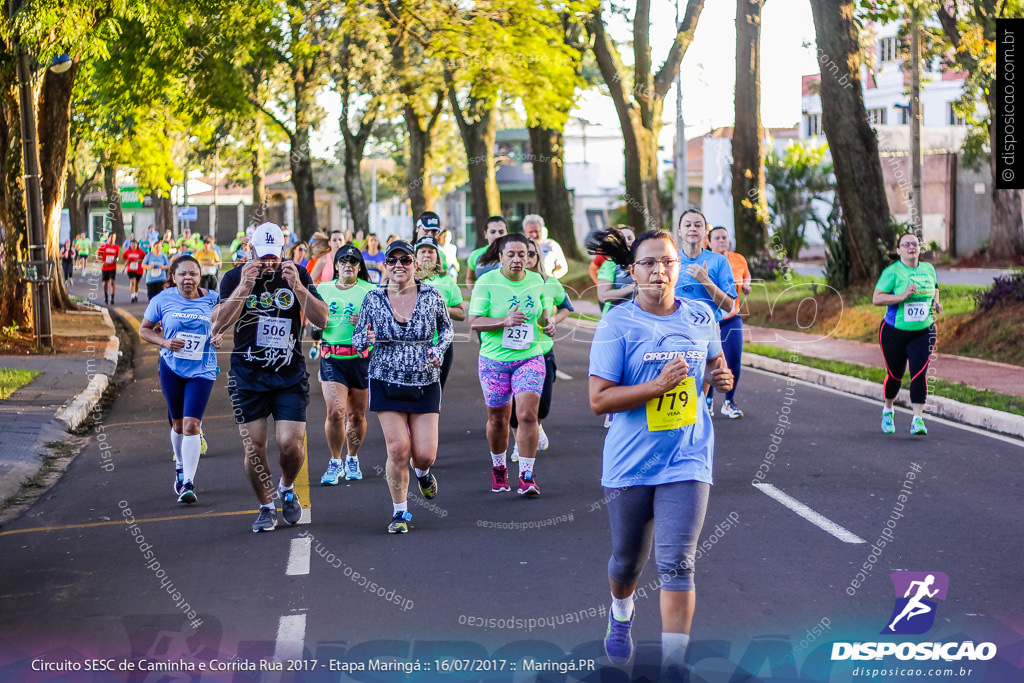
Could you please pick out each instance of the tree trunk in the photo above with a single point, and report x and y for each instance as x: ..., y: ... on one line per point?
x: 478, y: 137
x: 303, y: 182
x: 16, y: 302
x: 54, y: 132
x: 749, y: 204
x: 354, y: 193
x: 113, y: 196
x: 422, y: 194
x: 851, y: 139
x: 1006, y: 232
x: 548, y: 150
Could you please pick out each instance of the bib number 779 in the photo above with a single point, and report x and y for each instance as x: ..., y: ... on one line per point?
x: 673, y: 409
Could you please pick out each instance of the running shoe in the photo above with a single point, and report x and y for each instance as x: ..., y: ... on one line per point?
x: 542, y: 439
x: 352, y: 471
x: 202, y: 442
x: 730, y: 410
x: 499, y: 479
x: 528, y: 485
x: 179, y: 481
x: 266, y: 521
x: 887, y: 424
x: 608, y: 420
x: 618, y: 644
x: 917, y: 427
x: 332, y: 474
x: 711, y: 407
x: 188, y: 494
x: 515, y: 451
x: 400, y: 523
x: 314, y: 351
x: 428, y: 485
x: 291, y: 509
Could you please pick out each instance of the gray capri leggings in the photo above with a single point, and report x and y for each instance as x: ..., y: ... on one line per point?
x: 670, y: 516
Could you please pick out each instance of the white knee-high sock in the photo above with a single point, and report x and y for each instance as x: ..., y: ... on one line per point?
x: 176, y: 447
x: 190, y: 446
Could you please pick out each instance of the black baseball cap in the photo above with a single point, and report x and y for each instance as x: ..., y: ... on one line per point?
x: 398, y: 245
x: 348, y: 251
x: 429, y: 220
x: 427, y: 242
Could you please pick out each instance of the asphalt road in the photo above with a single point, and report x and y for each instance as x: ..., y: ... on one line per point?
x: 777, y: 583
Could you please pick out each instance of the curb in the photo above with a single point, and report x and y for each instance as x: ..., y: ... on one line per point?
x: 76, y: 412
x: 976, y: 416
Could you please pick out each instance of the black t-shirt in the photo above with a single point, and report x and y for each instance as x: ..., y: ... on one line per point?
x: 267, y: 353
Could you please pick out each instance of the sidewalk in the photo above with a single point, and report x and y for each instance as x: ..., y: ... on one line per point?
x: 58, y: 400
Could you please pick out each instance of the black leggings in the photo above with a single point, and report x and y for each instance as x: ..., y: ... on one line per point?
x: 545, y: 394
x: 899, y: 347
x: 446, y: 363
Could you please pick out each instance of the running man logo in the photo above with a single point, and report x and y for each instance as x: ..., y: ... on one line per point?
x: 916, y: 599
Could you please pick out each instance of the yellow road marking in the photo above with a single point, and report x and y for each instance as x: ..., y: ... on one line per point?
x: 302, y: 481
x: 115, y: 522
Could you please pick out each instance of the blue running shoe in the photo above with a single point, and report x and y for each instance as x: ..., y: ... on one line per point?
x: 179, y: 481
x: 618, y: 644
x: 888, y: 426
x: 332, y: 474
x: 291, y: 509
x: 266, y: 521
x: 400, y: 523
x: 188, y: 494
x: 352, y: 471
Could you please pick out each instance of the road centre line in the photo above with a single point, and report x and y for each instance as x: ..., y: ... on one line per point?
x: 299, y: 555
x: 817, y: 519
x: 291, y: 636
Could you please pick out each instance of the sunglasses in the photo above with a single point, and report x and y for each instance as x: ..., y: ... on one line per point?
x: 349, y: 259
x: 531, y: 254
x: 395, y: 260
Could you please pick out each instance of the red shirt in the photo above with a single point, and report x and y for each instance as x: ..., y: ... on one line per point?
x: 133, y: 257
x: 107, y: 254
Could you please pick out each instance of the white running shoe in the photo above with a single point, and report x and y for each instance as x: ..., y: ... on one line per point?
x: 542, y: 439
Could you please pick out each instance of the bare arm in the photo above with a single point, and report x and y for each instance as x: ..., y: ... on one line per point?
x: 457, y: 312
x: 607, y: 291
x: 880, y: 298
x: 609, y: 397
x: 148, y: 332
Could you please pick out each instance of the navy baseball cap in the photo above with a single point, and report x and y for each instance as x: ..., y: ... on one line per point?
x: 429, y: 220
x: 399, y: 245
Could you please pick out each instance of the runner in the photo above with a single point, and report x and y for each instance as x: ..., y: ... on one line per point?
x: 209, y: 262
x: 429, y: 225
x: 68, y: 256
x: 133, y: 258
x: 344, y: 378
x: 431, y: 272
x: 188, y: 364
x: 496, y: 227
x: 731, y: 324
x: 107, y: 254
x: 156, y: 266
x: 907, y: 334
x: 614, y: 283
x: 703, y: 275
x: 84, y: 246
x: 264, y: 299
x: 323, y: 269
x: 400, y: 319
x: 506, y: 308
x: 648, y: 361
x: 374, y: 258
x: 559, y: 309
x: 555, y: 264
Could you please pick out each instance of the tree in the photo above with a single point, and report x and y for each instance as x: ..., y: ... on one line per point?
x: 750, y: 211
x: 798, y: 178
x: 858, y: 169
x: 639, y: 101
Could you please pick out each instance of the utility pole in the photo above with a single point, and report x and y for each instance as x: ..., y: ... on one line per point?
x: 681, y: 192
x: 917, y: 217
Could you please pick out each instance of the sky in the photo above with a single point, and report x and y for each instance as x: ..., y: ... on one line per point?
x: 708, y: 69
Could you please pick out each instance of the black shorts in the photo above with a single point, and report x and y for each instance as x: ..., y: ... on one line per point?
x: 285, y: 403
x: 154, y: 288
x: 386, y: 397
x: 109, y: 274
x: 354, y: 373
x: 134, y: 276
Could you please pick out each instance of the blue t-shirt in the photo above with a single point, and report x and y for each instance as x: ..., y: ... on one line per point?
x: 378, y: 258
x: 187, y: 319
x: 720, y: 273
x: 156, y: 259
x: 631, y: 347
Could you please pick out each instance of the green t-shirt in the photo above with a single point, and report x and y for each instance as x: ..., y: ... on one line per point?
x: 494, y: 295
x: 618, y: 276
x: 916, y: 312
x: 342, y: 303
x: 474, y: 256
x: 84, y: 246
x: 556, y: 295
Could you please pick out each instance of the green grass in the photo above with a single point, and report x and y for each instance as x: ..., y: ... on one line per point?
x: 956, y: 391
x: 955, y: 298
x: 11, y: 380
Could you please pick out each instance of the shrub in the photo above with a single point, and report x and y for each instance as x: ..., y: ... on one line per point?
x: 1005, y: 288
x: 767, y: 266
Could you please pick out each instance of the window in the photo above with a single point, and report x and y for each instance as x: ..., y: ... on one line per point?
x: 812, y: 124
x: 889, y: 50
x: 876, y: 117
x: 953, y: 117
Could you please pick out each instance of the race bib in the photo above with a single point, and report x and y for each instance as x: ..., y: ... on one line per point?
x: 916, y: 312
x: 673, y: 409
x: 194, y: 346
x: 209, y: 270
x: 517, y: 338
x: 109, y: 259
x: 273, y: 333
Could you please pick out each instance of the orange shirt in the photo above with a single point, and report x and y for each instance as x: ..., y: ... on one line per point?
x: 740, y: 273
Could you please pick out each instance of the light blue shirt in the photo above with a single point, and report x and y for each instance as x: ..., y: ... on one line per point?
x: 180, y: 316
x: 720, y: 273
x: 156, y: 259
x: 631, y: 347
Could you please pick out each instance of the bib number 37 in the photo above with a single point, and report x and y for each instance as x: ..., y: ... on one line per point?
x: 673, y: 409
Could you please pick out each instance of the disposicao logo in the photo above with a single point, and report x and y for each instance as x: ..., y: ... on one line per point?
x: 913, y: 613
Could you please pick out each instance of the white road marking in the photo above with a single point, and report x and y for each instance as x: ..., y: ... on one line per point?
x: 298, y: 556
x: 904, y: 411
x: 562, y: 375
x: 291, y: 636
x: 810, y: 515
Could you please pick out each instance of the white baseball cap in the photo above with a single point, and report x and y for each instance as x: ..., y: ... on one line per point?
x: 267, y: 240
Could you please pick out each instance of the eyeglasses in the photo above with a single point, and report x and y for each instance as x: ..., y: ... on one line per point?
x: 651, y: 263
x: 395, y: 260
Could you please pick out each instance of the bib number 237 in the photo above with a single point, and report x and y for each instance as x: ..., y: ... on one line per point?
x: 673, y: 409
